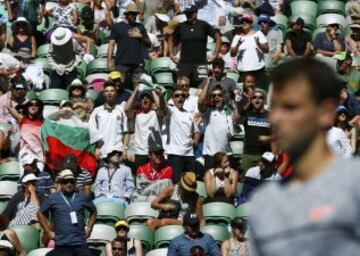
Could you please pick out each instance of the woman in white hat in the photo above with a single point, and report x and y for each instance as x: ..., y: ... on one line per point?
x: 352, y: 41
x: 22, y: 38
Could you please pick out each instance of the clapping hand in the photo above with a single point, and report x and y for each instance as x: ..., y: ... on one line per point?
x: 135, y: 33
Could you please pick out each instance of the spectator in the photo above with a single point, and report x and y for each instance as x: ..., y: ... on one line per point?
x: 131, y: 40
x: 146, y: 120
x: 102, y: 14
x: 250, y: 47
x: 3, y: 31
x: 342, y: 121
x: 22, y: 38
x: 238, y: 244
x: 29, y: 122
x: 118, y: 247
x: 10, y: 236
x: 248, y: 81
x: 182, y: 244
x: 218, y: 77
x: 339, y: 142
x: 182, y: 136
x: 348, y: 73
x: 88, y: 27
x: 310, y: 88
x: 257, y: 129
x: 329, y: 43
x: 45, y: 184
x: 348, y: 100
x: 77, y: 90
x: 64, y: 56
x: 221, y: 181
x: 352, y: 41
x: 110, y: 122
x: 82, y: 177
x: 264, y: 171
x: 191, y: 101
x: 122, y: 94
x: 298, y: 41
x: 153, y: 177
x: 218, y: 119
x: 133, y: 246
x: 23, y: 206
x: 65, y: 15
x: 225, y: 55
x: 68, y: 211
x: 274, y: 36
x: 114, y: 181
x: 192, y: 35
x: 156, y: 23
x: 175, y: 201
x: 17, y: 96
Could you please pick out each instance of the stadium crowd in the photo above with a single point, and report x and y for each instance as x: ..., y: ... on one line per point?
x: 144, y: 127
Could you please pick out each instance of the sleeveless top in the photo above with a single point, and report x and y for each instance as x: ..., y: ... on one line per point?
x: 242, y: 250
x: 18, y: 44
x: 131, y: 247
x: 219, y: 195
x: 185, y: 204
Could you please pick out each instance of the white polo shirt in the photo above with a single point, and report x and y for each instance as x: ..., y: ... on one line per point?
x: 190, y: 104
x: 180, y: 128
x: 218, y: 128
x: 147, y: 132
x: 110, y: 125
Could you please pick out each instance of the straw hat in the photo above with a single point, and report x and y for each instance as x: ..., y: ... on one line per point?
x: 188, y: 181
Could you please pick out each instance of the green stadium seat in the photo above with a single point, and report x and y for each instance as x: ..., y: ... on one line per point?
x: 243, y: 210
x: 10, y: 171
x: 140, y: 212
x: 310, y: 21
x: 147, y: 66
x: 3, y: 204
x: 165, y: 234
x: 200, y: 189
x: 101, y: 234
x: 332, y: 6
x: 237, y: 147
x: 80, y: 6
x: 330, y: 18
x: 109, y: 212
x: 102, y: 51
x: 44, y: 63
x: 29, y: 236
x: 92, y: 94
x: 40, y: 252
x: 160, y: 65
x: 169, y: 92
x: 219, y: 213
x: 239, y: 188
x: 281, y: 21
x: 30, y: 95
x: 98, y: 66
x: 158, y: 252
x: 42, y: 51
x: 219, y: 233
x: 356, y: 61
x: 164, y: 78
x: 143, y: 233
x: 53, y: 96
x: 317, y: 31
x: 7, y: 189
x: 304, y: 7
x: 233, y: 75
x: 81, y: 70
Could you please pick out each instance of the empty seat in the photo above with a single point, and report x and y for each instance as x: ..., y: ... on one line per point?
x: 42, y: 51
x: 219, y: 233
x: 307, y: 7
x: 10, y: 171
x: 330, y: 18
x: 161, y: 64
x: 332, y: 6
x: 53, y: 96
x: 158, y: 252
x: 30, y: 95
x: 165, y: 234
x: 29, y: 236
x: 281, y: 21
x: 101, y: 234
x: 140, y: 212
x: 81, y: 70
x: 109, y: 212
x: 98, y: 66
x: 218, y: 212
x: 40, y: 252
x: 164, y: 79
x: 7, y: 189
x: 143, y: 233
x: 243, y: 210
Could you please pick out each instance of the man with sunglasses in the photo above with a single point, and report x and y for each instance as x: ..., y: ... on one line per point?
x: 68, y: 211
x: 119, y: 247
x: 182, y: 136
x: 131, y: 40
x: 218, y: 119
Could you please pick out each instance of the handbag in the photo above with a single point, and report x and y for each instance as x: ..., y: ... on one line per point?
x: 174, y: 214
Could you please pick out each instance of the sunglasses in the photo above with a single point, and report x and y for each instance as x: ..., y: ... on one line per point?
x: 76, y: 87
x: 178, y: 95
x: 118, y: 248
x: 121, y: 228
x: 258, y: 97
x: 132, y: 13
x: 67, y: 182
x: 214, y: 95
x: 19, y: 89
x: 185, y: 85
x: 33, y: 104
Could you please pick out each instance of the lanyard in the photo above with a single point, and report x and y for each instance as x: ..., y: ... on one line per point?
x: 110, y: 177
x: 66, y: 201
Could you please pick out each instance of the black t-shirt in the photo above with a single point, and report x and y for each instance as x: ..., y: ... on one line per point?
x: 255, y: 125
x: 129, y: 51
x: 298, y: 42
x: 193, y: 39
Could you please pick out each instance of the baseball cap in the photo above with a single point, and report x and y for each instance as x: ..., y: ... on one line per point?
x: 237, y: 22
x: 28, y: 178
x: 341, y: 109
x: 247, y: 17
x: 345, y: 55
x: 115, y: 75
x: 266, y: 18
x: 70, y: 162
x: 299, y: 21
x: 191, y: 9
x: 131, y: 7
x: 191, y: 219
x: 122, y: 223
x: 66, y: 175
x: 268, y: 156
x: 239, y: 222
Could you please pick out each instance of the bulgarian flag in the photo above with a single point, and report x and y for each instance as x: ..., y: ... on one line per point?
x: 65, y: 134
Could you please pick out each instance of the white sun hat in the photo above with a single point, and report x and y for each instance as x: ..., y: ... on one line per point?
x: 61, y: 36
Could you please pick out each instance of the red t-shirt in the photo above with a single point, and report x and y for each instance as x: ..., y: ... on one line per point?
x: 165, y: 173
x: 282, y: 158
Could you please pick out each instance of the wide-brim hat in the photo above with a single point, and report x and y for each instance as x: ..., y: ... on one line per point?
x: 188, y: 181
x: 21, y: 20
x: 77, y: 83
x: 61, y: 36
x: 163, y: 17
x: 131, y: 7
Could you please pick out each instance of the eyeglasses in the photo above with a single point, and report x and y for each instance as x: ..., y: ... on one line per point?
x: 68, y: 182
x: 118, y: 248
x: 33, y: 104
x: 76, y: 87
x: 214, y: 95
x: 178, y: 95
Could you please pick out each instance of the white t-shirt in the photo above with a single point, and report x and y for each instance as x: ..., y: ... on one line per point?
x: 147, y: 131
x: 110, y: 126
x: 190, y: 104
x: 180, y: 128
x: 250, y: 57
x: 339, y: 142
x: 218, y: 127
x: 254, y: 172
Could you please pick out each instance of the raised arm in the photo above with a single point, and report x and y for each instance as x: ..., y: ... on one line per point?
x: 160, y: 103
x: 12, y: 110
x: 110, y: 54
x: 130, y: 104
x: 203, y: 95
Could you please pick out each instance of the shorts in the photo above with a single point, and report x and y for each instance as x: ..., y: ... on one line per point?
x: 195, y: 72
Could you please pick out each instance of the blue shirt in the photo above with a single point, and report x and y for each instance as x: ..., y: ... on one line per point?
x: 181, y: 245
x: 44, y: 184
x: 322, y: 42
x: 67, y: 234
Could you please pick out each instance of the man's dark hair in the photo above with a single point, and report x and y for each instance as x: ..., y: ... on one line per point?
x: 321, y: 78
x: 121, y: 240
x: 109, y: 83
x: 219, y: 62
x: 218, y: 87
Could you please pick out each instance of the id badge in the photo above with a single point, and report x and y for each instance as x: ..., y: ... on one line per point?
x: 73, y: 217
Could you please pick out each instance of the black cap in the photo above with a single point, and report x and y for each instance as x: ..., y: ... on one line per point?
x: 70, y: 162
x: 239, y: 223
x: 299, y: 21
x: 191, y: 9
x: 191, y: 219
